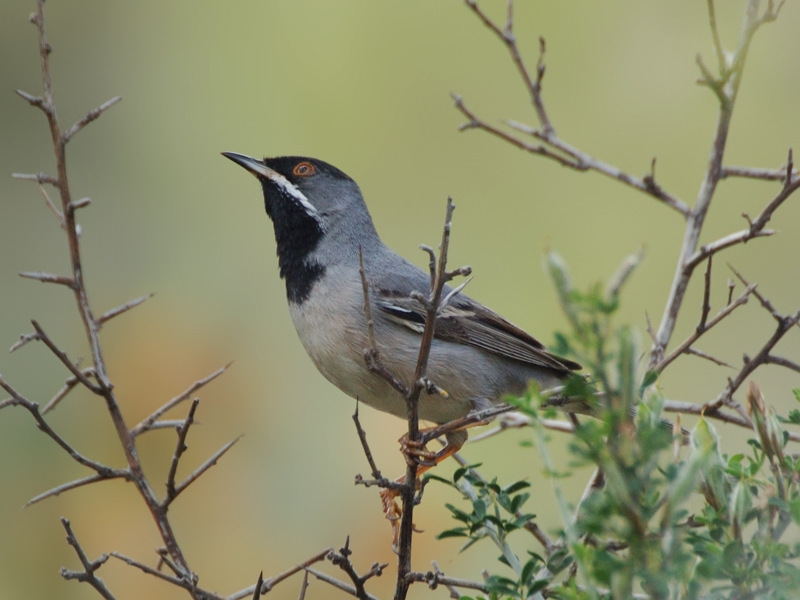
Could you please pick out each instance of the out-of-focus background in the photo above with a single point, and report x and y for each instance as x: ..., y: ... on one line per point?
x: 366, y: 87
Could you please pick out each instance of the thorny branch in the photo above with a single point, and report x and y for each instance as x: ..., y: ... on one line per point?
x: 725, y: 86
x: 439, y: 277
x: 762, y: 357
x: 342, y: 560
x: 89, y: 566
x: 95, y: 378
x: 551, y: 146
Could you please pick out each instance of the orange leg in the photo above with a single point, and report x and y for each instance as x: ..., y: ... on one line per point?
x: 414, y: 452
x: 391, y: 508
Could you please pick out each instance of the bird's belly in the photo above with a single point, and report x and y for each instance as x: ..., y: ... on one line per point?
x: 336, y: 346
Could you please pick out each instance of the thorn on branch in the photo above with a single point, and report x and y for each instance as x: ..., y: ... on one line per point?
x: 204, y: 467
x: 36, y: 101
x: 96, y: 389
x: 180, y: 448
x: 49, y: 278
x: 706, y: 297
x: 259, y: 582
x: 24, y: 339
x: 148, y: 421
x: 701, y: 354
x: 123, y: 308
x: 37, y: 177
x: 71, y: 485
x: 76, y: 204
x: 69, y: 384
x: 540, y: 66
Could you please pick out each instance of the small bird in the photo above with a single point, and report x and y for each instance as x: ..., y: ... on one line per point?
x: 322, y: 227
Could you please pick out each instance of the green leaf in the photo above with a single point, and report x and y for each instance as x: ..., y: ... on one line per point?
x: 518, y: 501
x: 517, y: 486
x: 649, y: 379
x: 437, y: 478
x: 538, y: 585
x: 479, y: 506
x: 460, y: 472
x: 794, y: 417
x: 457, y: 532
x: 528, y: 570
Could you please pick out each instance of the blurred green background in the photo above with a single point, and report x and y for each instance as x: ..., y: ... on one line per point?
x: 366, y: 87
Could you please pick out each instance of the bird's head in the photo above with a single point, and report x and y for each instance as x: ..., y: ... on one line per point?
x: 318, y: 213
x: 302, y: 188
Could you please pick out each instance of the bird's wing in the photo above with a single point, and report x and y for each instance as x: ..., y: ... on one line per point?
x: 464, y: 321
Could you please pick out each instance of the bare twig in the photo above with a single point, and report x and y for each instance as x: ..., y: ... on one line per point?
x: 751, y: 364
x: 623, y: 272
x: 726, y: 87
x: 89, y: 566
x: 39, y: 178
x: 378, y: 479
x: 471, y: 418
x: 712, y: 18
x: 506, y: 35
x: 303, y: 586
x: 436, y: 578
x: 739, y: 237
x: 757, y: 173
x: 183, y: 582
x: 202, y: 469
x: 148, y: 421
x: 76, y: 372
x: 24, y: 339
x: 65, y: 487
x: 273, y: 581
x: 49, y: 278
x: 89, y: 117
x: 440, y: 276
x: 345, y: 587
x: 18, y: 400
x: 516, y: 420
x: 771, y: 359
x: 701, y: 354
x: 69, y: 384
x: 180, y: 448
x: 103, y: 388
x: 703, y: 328
x: 51, y: 205
x: 122, y: 308
x: 717, y: 413
x: 553, y: 147
x: 342, y: 560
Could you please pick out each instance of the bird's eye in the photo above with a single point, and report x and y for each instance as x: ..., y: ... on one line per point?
x: 304, y: 169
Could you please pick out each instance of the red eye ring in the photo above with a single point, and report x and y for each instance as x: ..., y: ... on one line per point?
x: 304, y: 169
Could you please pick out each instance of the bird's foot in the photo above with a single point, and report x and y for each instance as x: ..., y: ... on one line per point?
x: 415, y: 453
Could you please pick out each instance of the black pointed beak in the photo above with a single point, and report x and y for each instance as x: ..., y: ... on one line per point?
x: 256, y: 167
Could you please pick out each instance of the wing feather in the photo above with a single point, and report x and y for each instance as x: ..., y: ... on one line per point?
x: 467, y: 322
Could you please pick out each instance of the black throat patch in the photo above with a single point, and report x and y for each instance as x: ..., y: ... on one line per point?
x: 297, y: 234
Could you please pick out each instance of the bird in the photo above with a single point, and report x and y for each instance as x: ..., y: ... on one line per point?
x: 323, y: 230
